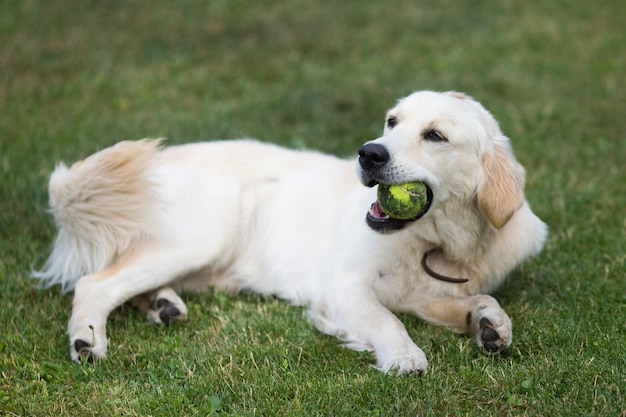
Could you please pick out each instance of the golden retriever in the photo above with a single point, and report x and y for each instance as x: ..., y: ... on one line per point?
x: 140, y: 223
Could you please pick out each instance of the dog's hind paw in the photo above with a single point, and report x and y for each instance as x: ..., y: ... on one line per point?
x: 164, y: 310
x: 82, y: 351
x: 166, y: 307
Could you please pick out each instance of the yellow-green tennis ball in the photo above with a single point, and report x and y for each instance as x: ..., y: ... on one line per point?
x: 403, y: 201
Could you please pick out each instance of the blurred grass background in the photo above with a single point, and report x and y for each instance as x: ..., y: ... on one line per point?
x: 77, y: 76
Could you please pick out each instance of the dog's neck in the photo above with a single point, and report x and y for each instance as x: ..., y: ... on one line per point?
x: 437, y: 275
x: 460, y: 240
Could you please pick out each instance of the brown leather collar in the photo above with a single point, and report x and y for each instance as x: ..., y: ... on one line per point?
x: 437, y: 275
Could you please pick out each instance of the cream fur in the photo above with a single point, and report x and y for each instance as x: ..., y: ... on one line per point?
x: 136, y: 221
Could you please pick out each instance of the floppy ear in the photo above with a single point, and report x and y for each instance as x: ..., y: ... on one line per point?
x: 502, y: 191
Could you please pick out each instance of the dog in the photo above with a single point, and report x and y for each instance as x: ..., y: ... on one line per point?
x: 140, y: 223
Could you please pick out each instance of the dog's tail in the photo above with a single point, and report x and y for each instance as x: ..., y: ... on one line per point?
x: 101, y: 205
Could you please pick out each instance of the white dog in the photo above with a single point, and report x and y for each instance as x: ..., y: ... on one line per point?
x: 139, y: 223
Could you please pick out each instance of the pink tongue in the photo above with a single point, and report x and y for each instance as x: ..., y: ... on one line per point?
x: 376, y: 211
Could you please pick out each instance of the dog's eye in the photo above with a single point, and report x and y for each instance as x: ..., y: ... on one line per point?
x: 392, y: 121
x: 434, y: 136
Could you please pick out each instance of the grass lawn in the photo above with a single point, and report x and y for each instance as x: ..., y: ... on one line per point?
x: 79, y: 75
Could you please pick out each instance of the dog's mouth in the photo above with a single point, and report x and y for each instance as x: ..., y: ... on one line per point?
x: 381, y: 222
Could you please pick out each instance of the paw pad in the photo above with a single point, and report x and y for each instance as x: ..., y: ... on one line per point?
x: 84, y: 351
x: 167, y: 310
x: 489, y: 336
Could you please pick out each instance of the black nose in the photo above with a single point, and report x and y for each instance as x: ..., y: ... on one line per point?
x: 373, y: 155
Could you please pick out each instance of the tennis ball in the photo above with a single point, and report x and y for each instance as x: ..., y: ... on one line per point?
x: 403, y: 201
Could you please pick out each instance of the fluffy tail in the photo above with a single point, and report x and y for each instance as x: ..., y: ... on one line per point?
x: 100, y: 205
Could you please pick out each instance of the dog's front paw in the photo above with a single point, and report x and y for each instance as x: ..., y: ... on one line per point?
x: 411, y: 361
x: 492, y: 329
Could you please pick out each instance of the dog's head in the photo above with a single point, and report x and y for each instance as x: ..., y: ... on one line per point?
x: 453, y: 145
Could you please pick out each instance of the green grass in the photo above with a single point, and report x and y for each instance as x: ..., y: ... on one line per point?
x: 76, y: 76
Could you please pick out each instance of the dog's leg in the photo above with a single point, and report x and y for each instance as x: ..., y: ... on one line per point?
x: 87, y: 326
x: 96, y: 295
x: 162, y: 306
x: 392, y: 344
x: 365, y: 324
x: 480, y: 316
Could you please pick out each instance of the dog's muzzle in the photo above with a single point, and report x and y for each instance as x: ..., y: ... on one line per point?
x: 373, y: 160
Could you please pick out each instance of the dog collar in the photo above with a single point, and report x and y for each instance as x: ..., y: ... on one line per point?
x: 437, y: 275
